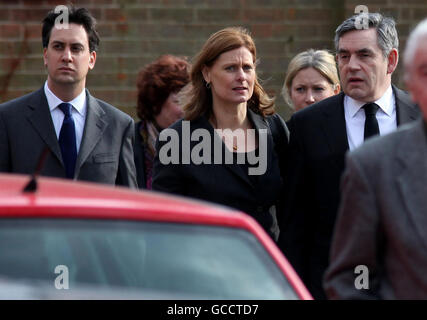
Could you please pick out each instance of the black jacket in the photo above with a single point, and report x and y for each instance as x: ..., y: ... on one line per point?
x: 228, y: 184
x: 139, y: 157
x: 318, y: 143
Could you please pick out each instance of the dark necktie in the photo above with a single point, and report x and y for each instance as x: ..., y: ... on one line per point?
x: 371, y: 123
x: 67, y: 140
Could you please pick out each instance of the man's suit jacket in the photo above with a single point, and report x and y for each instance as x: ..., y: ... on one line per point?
x: 105, y: 156
x: 228, y: 184
x: 382, y: 220
x: 318, y: 143
x: 139, y: 158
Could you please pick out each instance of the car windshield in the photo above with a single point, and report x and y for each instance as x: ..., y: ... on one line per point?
x: 185, y: 260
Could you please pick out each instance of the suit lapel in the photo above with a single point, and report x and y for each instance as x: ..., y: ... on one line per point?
x: 412, y: 177
x: 406, y: 111
x: 333, y: 125
x: 261, y: 124
x: 41, y: 119
x: 95, y: 125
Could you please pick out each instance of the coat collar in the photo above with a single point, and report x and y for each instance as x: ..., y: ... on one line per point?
x: 334, y: 126
x: 41, y: 119
x: 406, y: 110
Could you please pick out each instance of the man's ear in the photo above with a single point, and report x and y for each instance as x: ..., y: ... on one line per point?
x: 45, y: 56
x: 206, y: 74
x: 92, y: 60
x: 392, y: 60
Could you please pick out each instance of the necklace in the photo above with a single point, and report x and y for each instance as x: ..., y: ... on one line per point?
x: 235, y: 147
x: 234, y: 144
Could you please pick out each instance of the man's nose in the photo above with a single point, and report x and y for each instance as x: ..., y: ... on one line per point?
x: 66, y: 55
x: 353, y: 63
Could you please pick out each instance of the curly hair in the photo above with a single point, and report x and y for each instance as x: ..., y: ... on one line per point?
x: 200, y: 97
x: 157, y: 80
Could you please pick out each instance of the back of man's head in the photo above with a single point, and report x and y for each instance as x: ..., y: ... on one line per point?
x: 80, y: 16
x: 417, y: 37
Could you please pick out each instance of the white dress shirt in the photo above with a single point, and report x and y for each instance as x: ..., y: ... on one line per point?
x: 78, y: 111
x: 355, y: 117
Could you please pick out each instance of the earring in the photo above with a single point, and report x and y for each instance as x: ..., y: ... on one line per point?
x: 208, y: 85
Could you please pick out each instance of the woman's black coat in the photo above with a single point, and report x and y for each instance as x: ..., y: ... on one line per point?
x: 228, y: 184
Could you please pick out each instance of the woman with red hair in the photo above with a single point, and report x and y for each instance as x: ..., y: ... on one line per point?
x: 228, y: 112
x: 158, y: 84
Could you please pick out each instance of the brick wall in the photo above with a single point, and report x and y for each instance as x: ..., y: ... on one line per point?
x: 134, y: 32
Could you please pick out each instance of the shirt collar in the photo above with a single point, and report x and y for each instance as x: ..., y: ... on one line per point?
x: 53, y: 101
x: 386, y: 103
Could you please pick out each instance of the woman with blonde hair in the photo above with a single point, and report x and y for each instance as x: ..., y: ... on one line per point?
x: 311, y: 77
x: 226, y: 103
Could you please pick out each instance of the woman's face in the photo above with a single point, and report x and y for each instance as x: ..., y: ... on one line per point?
x: 309, y: 86
x: 231, y: 77
x: 170, y: 112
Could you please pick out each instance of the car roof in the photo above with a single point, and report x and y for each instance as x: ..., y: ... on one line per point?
x: 60, y: 198
x: 92, y: 200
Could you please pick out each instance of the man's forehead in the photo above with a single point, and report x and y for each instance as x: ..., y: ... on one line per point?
x: 359, y: 39
x: 71, y: 33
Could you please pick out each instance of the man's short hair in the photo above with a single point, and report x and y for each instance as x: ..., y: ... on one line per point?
x: 385, y: 26
x: 415, y: 38
x: 80, y: 16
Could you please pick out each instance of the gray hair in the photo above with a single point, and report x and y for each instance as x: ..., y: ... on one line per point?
x: 385, y: 26
x: 413, y: 42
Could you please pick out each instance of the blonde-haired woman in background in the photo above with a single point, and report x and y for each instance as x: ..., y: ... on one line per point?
x: 311, y: 77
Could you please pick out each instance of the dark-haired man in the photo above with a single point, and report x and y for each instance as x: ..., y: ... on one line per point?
x: 321, y: 134
x: 88, y: 138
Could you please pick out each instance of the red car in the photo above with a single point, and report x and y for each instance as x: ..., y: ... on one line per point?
x: 76, y: 239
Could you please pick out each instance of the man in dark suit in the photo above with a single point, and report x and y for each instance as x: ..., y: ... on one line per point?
x: 321, y: 134
x: 88, y: 139
x: 379, y: 248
